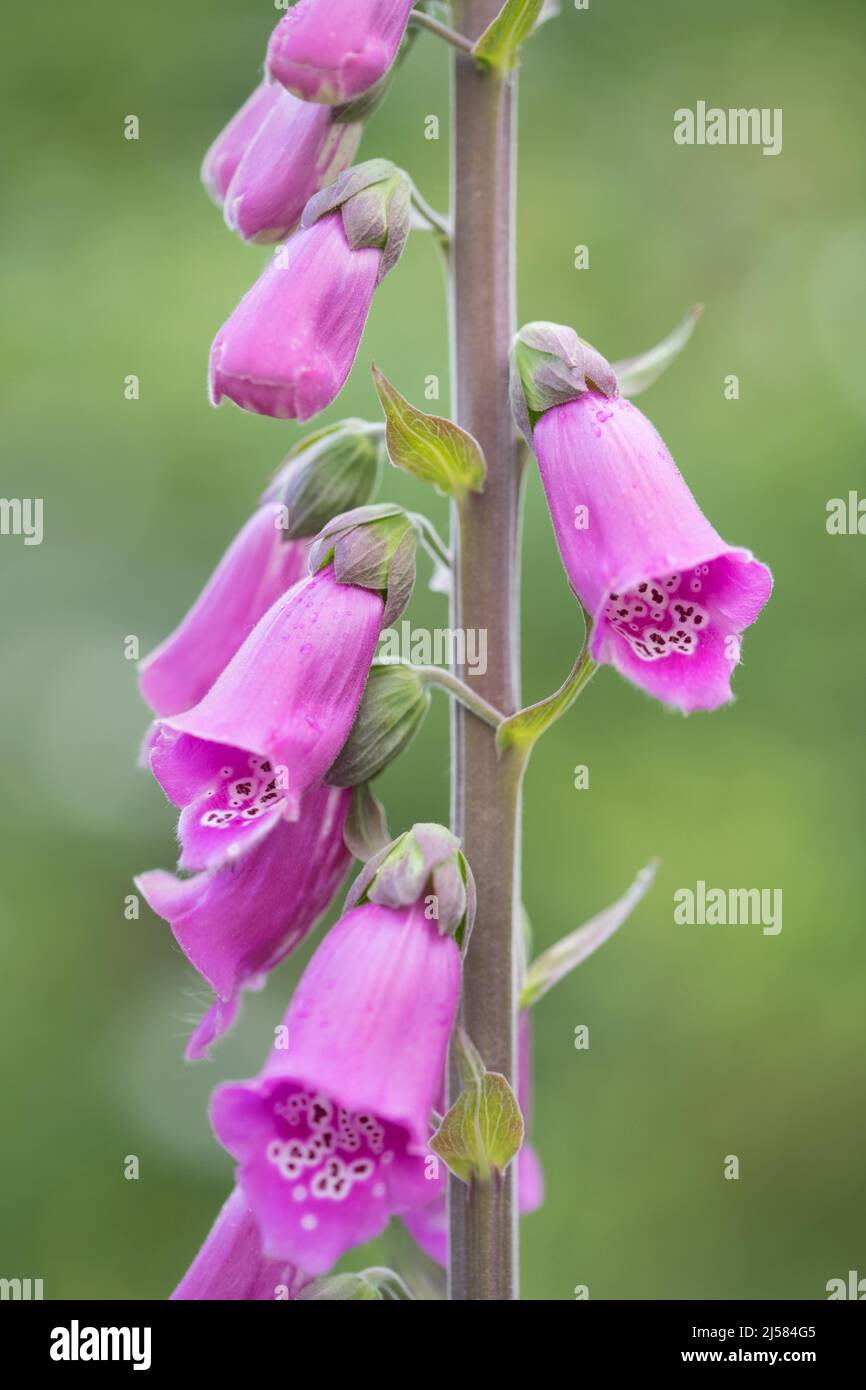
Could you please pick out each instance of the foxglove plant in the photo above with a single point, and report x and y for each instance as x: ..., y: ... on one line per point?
x: 404, y: 1051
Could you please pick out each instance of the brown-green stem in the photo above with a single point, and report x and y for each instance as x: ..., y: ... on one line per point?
x: 486, y: 785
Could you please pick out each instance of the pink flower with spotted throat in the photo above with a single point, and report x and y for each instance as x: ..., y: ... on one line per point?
x: 239, y: 761
x: 331, y: 1138
x: 667, y: 596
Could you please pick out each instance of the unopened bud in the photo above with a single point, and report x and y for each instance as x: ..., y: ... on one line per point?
x: 335, y: 470
x: 550, y: 365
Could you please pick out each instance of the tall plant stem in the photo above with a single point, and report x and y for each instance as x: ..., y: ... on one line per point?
x: 486, y: 787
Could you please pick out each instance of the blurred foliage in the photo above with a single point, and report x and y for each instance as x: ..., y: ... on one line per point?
x: 704, y: 1042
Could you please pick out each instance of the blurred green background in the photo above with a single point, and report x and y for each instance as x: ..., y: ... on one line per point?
x: 704, y: 1041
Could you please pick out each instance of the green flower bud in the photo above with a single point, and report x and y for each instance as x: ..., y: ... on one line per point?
x: 335, y: 470
x: 394, y: 704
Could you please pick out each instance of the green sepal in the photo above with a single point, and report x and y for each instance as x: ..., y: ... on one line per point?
x: 550, y: 365
x: 373, y: 547
x: 422, y: 863
x: 429, y: 447
x: 374, y: 201
x: 637, y: 374
x: 365, y: 831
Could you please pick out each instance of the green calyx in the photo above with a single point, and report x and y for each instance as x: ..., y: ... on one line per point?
x: 550, y: 365
x: 373, y: 547
x: 374, y: 200
x: 425, y: 864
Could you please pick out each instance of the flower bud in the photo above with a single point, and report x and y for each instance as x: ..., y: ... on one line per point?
x: 373, y: 547
x: 425, y: 862
x: 330, y: 472
x: 392, y: 709
x: 375, y: 201
x: 332, y: 53
x: 297, y: 150
x: 228, y: 149
x: 550, y: 365
x: 288, y: 348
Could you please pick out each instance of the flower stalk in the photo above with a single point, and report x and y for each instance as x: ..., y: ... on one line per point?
x: 442, y: 31
x: 446, y: 680
x: 486, y: 785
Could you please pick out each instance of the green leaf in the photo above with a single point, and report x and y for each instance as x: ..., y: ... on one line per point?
x: 636, y: 374
x: 499, y: 45
x: 523, y: 728
x: 435, y: 450
x: 551, y: 966
x: 483, y: 1130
